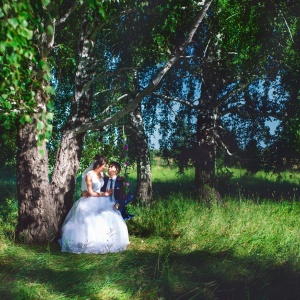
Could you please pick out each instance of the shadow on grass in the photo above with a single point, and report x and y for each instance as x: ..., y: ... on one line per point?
x: 243, y: 187
x: 260, y: 188
x: 179, y: 185
x: 142, y: 274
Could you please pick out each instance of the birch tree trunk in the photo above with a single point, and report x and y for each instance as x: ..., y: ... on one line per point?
x: 36, y: 218
x: 205, y: 161
x: 36, y: 215
x: 143, y: 191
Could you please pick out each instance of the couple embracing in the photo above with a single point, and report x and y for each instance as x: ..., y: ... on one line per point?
x: 95, y: 223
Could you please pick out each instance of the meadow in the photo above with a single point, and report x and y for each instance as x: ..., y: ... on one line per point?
x: 247, y: 248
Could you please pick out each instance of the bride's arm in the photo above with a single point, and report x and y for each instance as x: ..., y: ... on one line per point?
x: 88, y: 180
x: 91, y: 192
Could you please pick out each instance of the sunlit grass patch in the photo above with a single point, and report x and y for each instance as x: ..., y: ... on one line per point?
x: 35, y: 291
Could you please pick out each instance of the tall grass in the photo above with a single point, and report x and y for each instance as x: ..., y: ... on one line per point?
x: 248, y: 248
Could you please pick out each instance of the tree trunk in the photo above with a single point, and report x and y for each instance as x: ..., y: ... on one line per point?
x: 144, y: 176
x: 205, y: 189
x: 64, y: 175
x: 36, y: 219
x: 205, y: 159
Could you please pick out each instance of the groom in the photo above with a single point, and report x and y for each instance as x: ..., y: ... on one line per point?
x: 116, y: 183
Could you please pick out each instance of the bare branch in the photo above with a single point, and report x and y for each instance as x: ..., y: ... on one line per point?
x: 234, y: 92
x: 287, y: 25
x: 182, y: 101
x: 67, y: 14
x: 204, y: 54
x: 107, y: 109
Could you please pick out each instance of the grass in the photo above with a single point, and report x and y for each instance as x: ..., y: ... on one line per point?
x: 249, y: 248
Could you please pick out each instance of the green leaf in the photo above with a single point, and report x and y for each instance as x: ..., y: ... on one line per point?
x: 49, y: 116
x: 13, y: 22
x: 50, y: 90
x: 3, y: 46
x: 41, y: 138
x: 24, y: 23
x: 48, y: 134
x: 47, y: 76
x: 28, y: 34
x: 7, y: 105
x: 50, y: 105
x: 46, y: 2
x: 6, y: 8
x: 28, y: 119
x: 49, y: 29
x: 7, y: 124
x: 45, y: 66
x: 40, y: 125
x: 102, y: 13
x: 22, y: 120
x: 49, y: 128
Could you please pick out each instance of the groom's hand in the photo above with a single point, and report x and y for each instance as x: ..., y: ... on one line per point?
x: 84, y: 194
x: 110, y: 192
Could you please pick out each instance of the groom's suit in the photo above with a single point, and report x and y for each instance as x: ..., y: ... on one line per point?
x: 119, y: 194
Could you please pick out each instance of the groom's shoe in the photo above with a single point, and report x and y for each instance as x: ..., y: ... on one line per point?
x: 128, y: 216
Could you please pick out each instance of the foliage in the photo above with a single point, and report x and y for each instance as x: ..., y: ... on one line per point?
x: 19, y: 61
x: 8, y: 147
x: 17, y: 52
x: 8, y: 217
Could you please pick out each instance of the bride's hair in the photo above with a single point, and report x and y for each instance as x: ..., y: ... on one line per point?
x: 100, y: 162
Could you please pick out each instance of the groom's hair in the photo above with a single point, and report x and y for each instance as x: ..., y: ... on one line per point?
x: 100, y: 162
x: 116, y: 165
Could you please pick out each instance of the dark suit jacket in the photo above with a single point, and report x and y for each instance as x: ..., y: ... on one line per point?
x: 120, y: 194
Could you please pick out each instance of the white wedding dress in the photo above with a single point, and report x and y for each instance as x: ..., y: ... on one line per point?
x: 93, y: 225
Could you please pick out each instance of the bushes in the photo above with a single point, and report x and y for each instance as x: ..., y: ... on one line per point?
x: 8, y: 217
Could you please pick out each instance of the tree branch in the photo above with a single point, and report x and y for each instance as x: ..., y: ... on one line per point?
x: 182, y: 101
x: 67, y: 14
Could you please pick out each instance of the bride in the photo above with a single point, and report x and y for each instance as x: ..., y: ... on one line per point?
x: 93, y: 225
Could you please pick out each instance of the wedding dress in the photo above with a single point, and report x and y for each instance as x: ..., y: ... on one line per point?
x: 93, y: 225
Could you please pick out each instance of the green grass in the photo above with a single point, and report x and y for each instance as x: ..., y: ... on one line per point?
x: 263, y: 186
x: 248, y: 248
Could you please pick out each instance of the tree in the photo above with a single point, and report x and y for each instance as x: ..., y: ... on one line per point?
x: 225, y: 83
x: 138, y: 138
